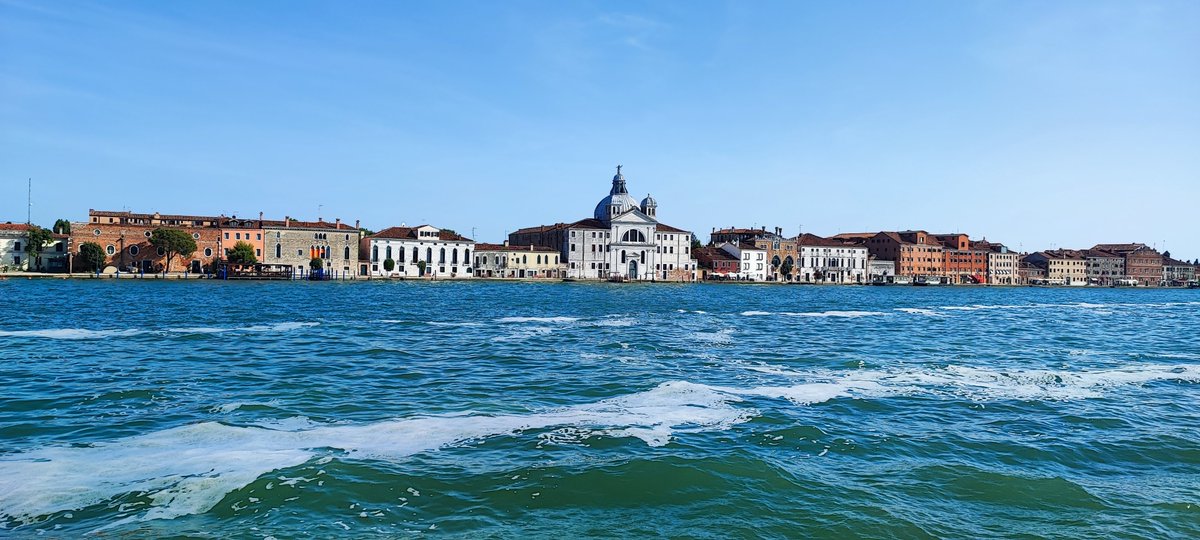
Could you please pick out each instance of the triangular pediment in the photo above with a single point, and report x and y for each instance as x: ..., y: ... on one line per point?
x: 634, y: 215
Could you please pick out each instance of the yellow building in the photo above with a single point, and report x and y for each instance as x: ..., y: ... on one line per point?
x: 517, y: 262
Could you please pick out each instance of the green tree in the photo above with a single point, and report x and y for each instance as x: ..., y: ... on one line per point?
x: 62, y: 226
x: 173, y: 242
x: 316, y: 263
x: 38, y: 238
x: 241, y: 253
x: 421, y: 268
x: 786, y: 267
x: 696, y: 244
x: 366, y: 232
x: 389, y: 265
x: 91, y: 256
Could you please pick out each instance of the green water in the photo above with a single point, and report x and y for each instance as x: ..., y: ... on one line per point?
x: 255, y: 410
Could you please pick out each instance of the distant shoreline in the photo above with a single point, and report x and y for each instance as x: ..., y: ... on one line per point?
x: 18, y: 276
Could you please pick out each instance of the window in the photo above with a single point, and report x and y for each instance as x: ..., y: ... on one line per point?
x: 346, y: 255
x: 633, y: 235
x: 442, y: 256
x: 110, y: 249
x: 258, y: 253
x: 466, y: 255
x: 572, y: 245
x: 258, y: 236
x: 161, y: 252
x: 133, y: 250
x: 237, y: 236
x: 375, y: 253
x: 454, y: 256
x: 208, y: 252
x: 227, y: 236
x: 278, y: 251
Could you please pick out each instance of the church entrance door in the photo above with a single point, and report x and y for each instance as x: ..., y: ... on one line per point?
x: 633, y: 274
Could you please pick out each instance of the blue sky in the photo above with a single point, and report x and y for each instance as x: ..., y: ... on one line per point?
x: 1039, y: 124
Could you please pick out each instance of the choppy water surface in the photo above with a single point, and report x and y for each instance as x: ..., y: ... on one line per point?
x: 503, y: 409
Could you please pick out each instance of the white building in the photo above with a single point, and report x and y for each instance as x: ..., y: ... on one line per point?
x: 422, y: 251
x: 14, y: 237
x: 622, y: 239
x: 752, y: 260
x: 825, y: 260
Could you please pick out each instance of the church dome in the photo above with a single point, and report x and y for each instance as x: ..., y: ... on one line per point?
x: 649, y: 201
x: 618, y: 200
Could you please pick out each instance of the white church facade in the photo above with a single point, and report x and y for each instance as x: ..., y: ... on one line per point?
x: 623, y: 240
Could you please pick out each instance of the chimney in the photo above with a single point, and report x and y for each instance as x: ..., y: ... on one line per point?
x: 337, y: 223
x: 356, y: 224
x: 287, y: 221
x: 506, y: 243
x: 260, y: 216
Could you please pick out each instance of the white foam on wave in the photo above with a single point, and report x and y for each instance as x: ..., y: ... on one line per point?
x: 1099, y: 308
x: 71, y: 333
x: 83, y: 333
x: 975, y: 383
x: 831, y: 313
x: 189, y: 469
x: 454, y: 323
x: 537, y: 319
x: 919, y: 311
x: 723, y: 336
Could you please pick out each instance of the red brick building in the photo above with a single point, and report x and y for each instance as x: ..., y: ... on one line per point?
x: 915, y: 253
x: 125, y: 239
x: 961, y: 262
x: 716, y: 263
x: 1142, y: 262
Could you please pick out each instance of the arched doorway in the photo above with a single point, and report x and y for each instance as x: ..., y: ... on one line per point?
x: 633, y: 269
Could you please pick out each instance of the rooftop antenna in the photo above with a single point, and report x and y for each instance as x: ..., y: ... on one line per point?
x: 319, y: 207
x: 29, y: 200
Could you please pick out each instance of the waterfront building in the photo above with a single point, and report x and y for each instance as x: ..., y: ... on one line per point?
x: 505, y: 261
x: 915, y: 253
x: 739, y: 235
x: 1103, y: 268
x: 421, y: 251
x: 623, y: 239
x: 962, y: 263
x: 296, y: 243
x: 125, y: 239
x: 716, y: 263
x: 1062, y: 266
x: 1142, y: 262
x: 1029, y: 273
x: 783, y: 253
x: 880, y: 271
x: 752, y: 260
x: 1177, y: 273
x: 826, y: 260
x: 1002, y: 264
x: 14, y: 237
x: 234, y: 230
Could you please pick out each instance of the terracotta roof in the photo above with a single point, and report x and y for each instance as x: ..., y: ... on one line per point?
x: 502, y: 247
x: 808, y: 239
x: 410, y: 233
x: 663, y: 227
x: 737, y: 230
x: 179, y: 217
x: 296, y: 224
x: 1120, y: 249
x: 708, y: 254
x: 589, y: 223
x: 1101, y: 254
x: 13, y: 227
